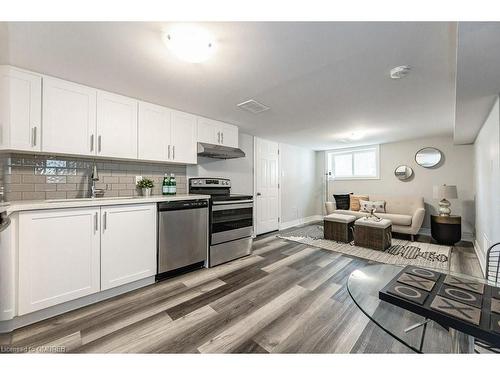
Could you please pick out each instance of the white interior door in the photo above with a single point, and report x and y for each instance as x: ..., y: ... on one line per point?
x: 266, y: 186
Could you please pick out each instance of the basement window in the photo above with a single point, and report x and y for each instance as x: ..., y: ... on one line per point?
x: 357, y: 163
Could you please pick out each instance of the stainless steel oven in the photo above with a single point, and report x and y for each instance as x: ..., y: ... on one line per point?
x: 231, y: 219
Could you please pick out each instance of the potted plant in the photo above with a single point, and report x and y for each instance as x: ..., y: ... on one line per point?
x: 145, y: 185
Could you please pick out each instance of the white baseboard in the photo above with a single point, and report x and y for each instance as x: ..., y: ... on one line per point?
x: 301, y: 221
x: 481, y: 256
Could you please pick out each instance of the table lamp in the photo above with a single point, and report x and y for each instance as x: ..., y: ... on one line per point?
x: 444, y: 193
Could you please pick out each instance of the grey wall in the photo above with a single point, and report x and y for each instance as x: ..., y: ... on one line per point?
x: 240, y: 170
x: 487, y: 183
x: 33, y: 177
x: 456, y: 169
x: 300, y: 191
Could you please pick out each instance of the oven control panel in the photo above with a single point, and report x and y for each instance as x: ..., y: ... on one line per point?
x: 210, y: 182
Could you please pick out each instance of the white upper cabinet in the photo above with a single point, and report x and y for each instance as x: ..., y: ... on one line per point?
x: 183, y: 138
x: 69, y: 117
x: 128, y: 244
x: 229, y: 135
x: 20, y: 109
x: 154, y: 132
x: 217, y: 132
x: 58, y: 256
x: 116, y: 126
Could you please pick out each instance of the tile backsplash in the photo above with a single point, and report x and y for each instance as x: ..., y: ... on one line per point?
x: 29, y: 177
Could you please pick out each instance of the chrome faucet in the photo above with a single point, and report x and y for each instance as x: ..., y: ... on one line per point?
x: 94, y: 192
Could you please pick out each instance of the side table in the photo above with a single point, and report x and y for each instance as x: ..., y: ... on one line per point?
x: 446, y: 230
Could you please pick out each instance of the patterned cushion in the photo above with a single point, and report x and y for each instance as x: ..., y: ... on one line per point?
x: 341, y: 201
x: 366, y: 206
x: 354, y: 201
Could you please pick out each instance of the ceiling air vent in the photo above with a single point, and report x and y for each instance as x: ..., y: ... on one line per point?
x: 253, y: 106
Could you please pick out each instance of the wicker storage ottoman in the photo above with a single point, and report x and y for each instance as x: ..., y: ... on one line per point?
x: 339, y: 227
x: 373, y: 234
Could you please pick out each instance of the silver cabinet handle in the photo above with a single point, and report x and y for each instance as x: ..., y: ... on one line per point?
x: 168, y: 152
x: 222, y: 137
x: 173, y: 152
x: 92, y: 143
x: 104, y: 221
x: 218, y: 137
x: 96, y: 223
x: 33, y: 136
x: 99, y: 144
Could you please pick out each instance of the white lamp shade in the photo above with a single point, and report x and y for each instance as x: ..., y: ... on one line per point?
x: 445, y: 192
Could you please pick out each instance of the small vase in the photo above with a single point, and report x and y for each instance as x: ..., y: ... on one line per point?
x: 146, y: 192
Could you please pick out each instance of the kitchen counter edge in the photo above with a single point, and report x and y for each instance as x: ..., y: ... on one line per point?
x: 17, y: 206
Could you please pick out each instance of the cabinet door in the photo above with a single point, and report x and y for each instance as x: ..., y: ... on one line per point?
x: 21, y: 102
x: 153, y: 132
x: 58, y: 256
x: 206, y: 130
x: 128, y: 244
x: 69, y: 117
x: 116, y: 126
x: 229, y: 135
x: 183, y: 138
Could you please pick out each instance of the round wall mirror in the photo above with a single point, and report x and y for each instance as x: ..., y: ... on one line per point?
x: 403, y: 172
x: 428, y: 157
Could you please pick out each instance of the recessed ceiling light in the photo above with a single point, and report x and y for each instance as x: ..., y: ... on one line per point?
x: 400, y: 71
x: 190, y: 43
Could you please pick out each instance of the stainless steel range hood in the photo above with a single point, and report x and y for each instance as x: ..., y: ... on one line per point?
x: 219, y: 152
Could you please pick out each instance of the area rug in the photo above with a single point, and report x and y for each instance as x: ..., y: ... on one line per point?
x: 401, y: 251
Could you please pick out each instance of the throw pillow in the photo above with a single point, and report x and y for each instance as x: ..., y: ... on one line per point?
x: 341, y: 201
x: 354, y: 201
x: 367, y: 206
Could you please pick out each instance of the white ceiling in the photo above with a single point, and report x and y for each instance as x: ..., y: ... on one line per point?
x: 478, y: 76
x: 321, y: 80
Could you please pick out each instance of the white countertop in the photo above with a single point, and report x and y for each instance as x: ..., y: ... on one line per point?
x: 16, y: 206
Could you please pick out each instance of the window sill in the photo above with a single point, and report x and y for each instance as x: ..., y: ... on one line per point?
x: 352, y: 178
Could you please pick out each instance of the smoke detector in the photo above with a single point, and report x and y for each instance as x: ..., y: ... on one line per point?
x: 400, y: 71
x: 253, y: 106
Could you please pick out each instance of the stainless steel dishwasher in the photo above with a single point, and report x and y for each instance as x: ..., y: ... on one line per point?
x: 182, y: 236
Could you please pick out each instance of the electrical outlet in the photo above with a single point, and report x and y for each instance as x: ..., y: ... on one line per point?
x: 137, y: 179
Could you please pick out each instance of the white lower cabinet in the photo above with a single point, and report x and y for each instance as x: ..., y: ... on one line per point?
x: 65, y: 254
x: 128, y: 244
x: 58, y: 256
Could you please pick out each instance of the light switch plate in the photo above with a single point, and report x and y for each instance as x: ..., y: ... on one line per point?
x: 137, y: 179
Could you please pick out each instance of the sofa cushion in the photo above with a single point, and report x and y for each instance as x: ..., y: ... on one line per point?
x: 367, y: 206
x: 396, y: 219
x: 358, y: 214
x: 354, y: 201
x: 341, y: 201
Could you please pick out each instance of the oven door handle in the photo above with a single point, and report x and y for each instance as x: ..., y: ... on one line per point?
x: 232, y: 207
x: 220, y: 203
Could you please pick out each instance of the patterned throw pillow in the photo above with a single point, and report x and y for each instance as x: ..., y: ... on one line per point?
x: 354, y: 201
x: 341, y: 201
x: 367, y: 206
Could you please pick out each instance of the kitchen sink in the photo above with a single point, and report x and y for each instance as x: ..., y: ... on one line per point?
x: 88, y: 199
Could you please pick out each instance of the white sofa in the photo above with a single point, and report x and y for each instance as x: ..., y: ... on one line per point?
x: 406, y: 212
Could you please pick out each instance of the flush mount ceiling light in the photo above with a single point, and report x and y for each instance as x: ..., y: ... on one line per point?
x: 400, y: 71
x: 190, y: 43
x: 356, y: 136
x: 253, y: 106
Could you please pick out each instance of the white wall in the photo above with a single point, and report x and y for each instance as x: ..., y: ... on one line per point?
x: 300, y: 188
x: 240, y: 170
x: 487, y: 183
x: 456, y: 169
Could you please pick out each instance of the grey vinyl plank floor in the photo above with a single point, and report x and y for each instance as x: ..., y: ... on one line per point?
x: 284, y: 298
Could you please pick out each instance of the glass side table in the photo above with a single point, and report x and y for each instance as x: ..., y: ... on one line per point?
x: 412, y: 330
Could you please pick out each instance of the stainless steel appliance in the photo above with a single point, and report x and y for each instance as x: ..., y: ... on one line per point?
x: 182, y: 235
x: 219, y: 152
x: 231, y: 219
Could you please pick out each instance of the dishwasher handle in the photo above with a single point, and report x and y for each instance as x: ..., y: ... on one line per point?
x: 182, y: 205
